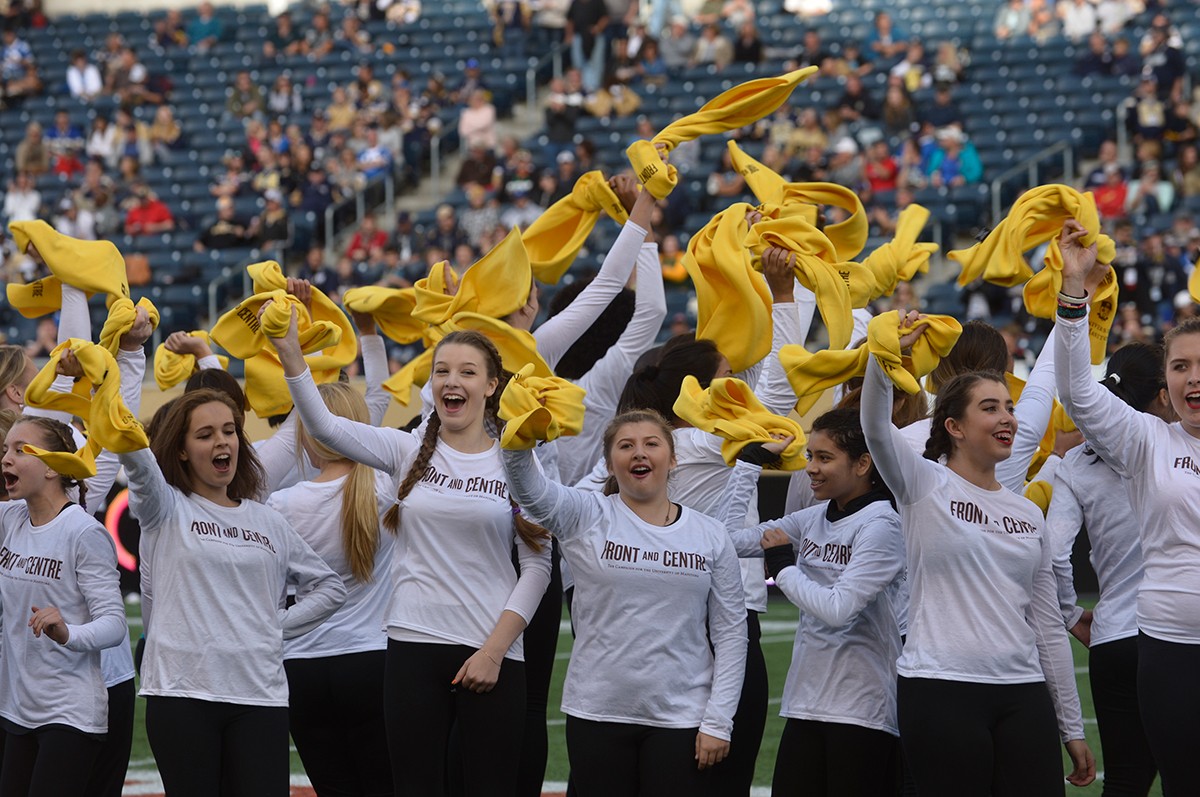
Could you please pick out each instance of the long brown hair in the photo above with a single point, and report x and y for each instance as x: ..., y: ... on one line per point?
x: 58, y: 437
x: 622, y: 420
x: 530, y: 533
x: 953, y: 399
x: 249, y: 478
x: 360, y: 510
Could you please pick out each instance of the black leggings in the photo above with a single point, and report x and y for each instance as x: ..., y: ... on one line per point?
x: 420, y: 705
x: 1169, y: 695
x: 1125, y: 755
x: 54, y: 761
x: 613, y: 758
x: 964, y: 739
x: 204, y: 749
x: 541, y: 644
x: 108, y: 773
x: 829, y: 759
x: 336, y: 718
x: 734, y: 776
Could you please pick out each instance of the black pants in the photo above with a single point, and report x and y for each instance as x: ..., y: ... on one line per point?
x: 1169, y: 694
x: 734, y: 776
x: 54, y: 761
x: 541, y: 644
x: 612, y: 758
x: 420, y: 705
x: 963, y: 739
x: 1125, y: 754
x: 829, y: 759
x: 108, y: 773
x: 201, y: 746
x: 336, y: 719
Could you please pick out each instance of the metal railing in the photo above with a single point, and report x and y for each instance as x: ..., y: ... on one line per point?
x: 1031, y: 169
x: 358, y: 203
x: 555, y: 56
x: 1124, y: 150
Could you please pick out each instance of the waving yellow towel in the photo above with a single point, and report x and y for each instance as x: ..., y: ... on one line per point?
x: 556, y: 237
x: 1194, y: 285
x: 392, y: 309
x: 539, y: 409
x: 1041, y: 294
x: 121, y: 316
x: 1040, y: 492
x: 91, y: 266
x: 170, y: 368
x: 244, y: 334
x: 266, y: 387
x: 839, y: 286
x: 901, y: 258
x: 1036, y: 217
x: 497, y: 285
x: 734, y: 302
x: 731, y: 411
x: 340, y: 352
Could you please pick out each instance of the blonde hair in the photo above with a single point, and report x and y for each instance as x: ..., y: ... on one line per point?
x: 13, y: 362
x: 360, y: 512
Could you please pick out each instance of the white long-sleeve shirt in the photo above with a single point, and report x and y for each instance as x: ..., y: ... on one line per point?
x: 1161, y: 463
x: 1087, y: 492
x: 984, y: 605
x: 454, y: 574
x: 645, y: 597
x: 68, y: 563
x: 220, y: 576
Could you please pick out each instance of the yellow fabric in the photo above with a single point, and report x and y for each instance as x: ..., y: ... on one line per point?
x: 121, y: 316
x: 91, y: 266
x: 110, y: 424
x: 498, y: 284
x: 1036, y: 217
x: 1103, y: 313
x: 556, y: 237
x: 839, y: 286
x: 1059, y: 422
x: 266, y: 387
x: 1040, y: 492
x: 390, y: 307
x: 414, y: 373
x: 1194, y: 285
x: 1041, y: 294
x: 730, y: 410
x: 810, y: 374
x: 657, y: 177
x: 901, y: 258
x: 337, y: 353
x: 848, y: 237
x: 242, y: 333
x: 733, y: 301
x: 170, y: 368
x: 37, y: 298
x: 539, y: 409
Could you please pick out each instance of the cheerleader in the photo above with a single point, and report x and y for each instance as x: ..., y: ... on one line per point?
x: 986, y: 665
x: 649, y: 703
x: 1158, y: 460
x: 1089, y: 493
x: 62, y: 605
x: 457, y: 608
x: 213, y: 677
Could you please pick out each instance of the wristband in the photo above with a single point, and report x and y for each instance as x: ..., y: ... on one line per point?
x: 1066, y: 298
x: 1065, y: 311
x: 778, y: 558
x: 757, y: 454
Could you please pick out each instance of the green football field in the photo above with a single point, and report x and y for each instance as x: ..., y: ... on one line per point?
x: 777, y: 648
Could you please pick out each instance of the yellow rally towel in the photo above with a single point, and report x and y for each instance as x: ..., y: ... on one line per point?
x: 1036, y: 217
x: 242, y: 333
x: 731, y: 411
x: 170, y: 368
x: 91, y: 266
x: 555, y: 238
x: 839, y: 286
x: 1040, y: 492
x: 391, y: 308
x: 268, y: 276
x: 266, y: 387
x: 539, y: 409
x: 37, y: 298
x: 1059, y: 422
x: 811, y: 374
x: 901, y: 258
x: 733, y: 301
x: 121, y: 315
x: 498, y: 284
x: 1194, y: 285
x: 1041, y: 294
x: 110, y: 423
x: 741, y: 105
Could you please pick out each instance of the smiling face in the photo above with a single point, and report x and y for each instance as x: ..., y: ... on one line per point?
x: 833, y: 474
x: 986, y: 429
x: 1183, y: 379
x: 462, y: 385
x: 641, y: 457
x: 26, y: 476
x: 210, y: 450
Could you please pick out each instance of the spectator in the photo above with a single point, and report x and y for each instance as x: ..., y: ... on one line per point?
x: 1012, y: 21
x: 1159, y: 278
x: 406, y: 242
x: 226, y: 231
x: 245, y: 98
x: 235, y: 180
x: 133, y: 138
x: 1043, y: 25
x: 344, y: 173
x: 736, y: 13
x: 944, y: 111
x: 478, y: 167
x: 206, y: 29
x: 885, y: 42
x: 949, y: 64
x: 74, y: 221
x: 677, y: 45
x: 477, y: 122
x: 267, y: 176
x: 18, y: 70
x: 169, y: 32
x: 1097, y: 60
x: 548, y: 190
x: 954, y: 162
x: 510, y: 24
x: 1078, y: 19
x: 712, y: 48
x: 911, y: 69
x: 473, y: 80
x: 95, y: 195
x: 880, y: 168
x: 1112, y: 15
x: 651, y: 67
x: 149, y: 215
x: 318, y: 39
x: 748, y: 47
x: 445, y: 234
x: 1106, y: 156
x: 367, y: 235
x: 46, y: 339
x: 725, y: 181
x: 899, y: 115
x: 1180, y: 129
x: 83, y: 78
x: 856, y: 103
x: 284, y: 98
x: 1124, y: 60
x: 366, y: 91
x: 1187, y: 172
x: 522, y: 212
x: 845, y: 164
x: 612, y: 100
x: 340, y: 112
x: 32, y: 156
x: 584, y: 34
x: 1111, y: 194
x: 813, y: 52
x: 127, y: 80
x: 561, y: 114
x: 401, y: 12
x: 318, y: 272
x: 1150, y: 194
x: 109, y: 56
x: 65, y: 142
x: 283, y: 40
x: 567, y: 173
x: 352, y: 38
x: 22, y: 202
x: 375, y: 160
x: 166, y: 134
x: 480, y: 216
x: 102, y: 141
x: 316, y: 195
x: 1164, y: 63
x: 272, y: 229
x: 549, y: 22
x: 1148, y: 122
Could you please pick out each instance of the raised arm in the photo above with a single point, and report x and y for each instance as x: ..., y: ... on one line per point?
x: 909, y: 476
x: 150, y: 497
x: 375, y: 373
x: 1033, y: 412
x: 564, y: 511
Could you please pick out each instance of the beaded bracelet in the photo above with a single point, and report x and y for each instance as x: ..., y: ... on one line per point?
x: 1065, y: 311
x: 1066, y: 300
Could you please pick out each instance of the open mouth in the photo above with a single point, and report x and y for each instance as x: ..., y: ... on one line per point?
x: 1193, y: 400
x: 222, y: 463
x: 640, y: 471
x: 10, y: 480
x: 453, y: 401
x: 1004, y: 438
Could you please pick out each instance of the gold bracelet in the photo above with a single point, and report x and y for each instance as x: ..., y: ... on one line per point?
x: 493, y: 661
